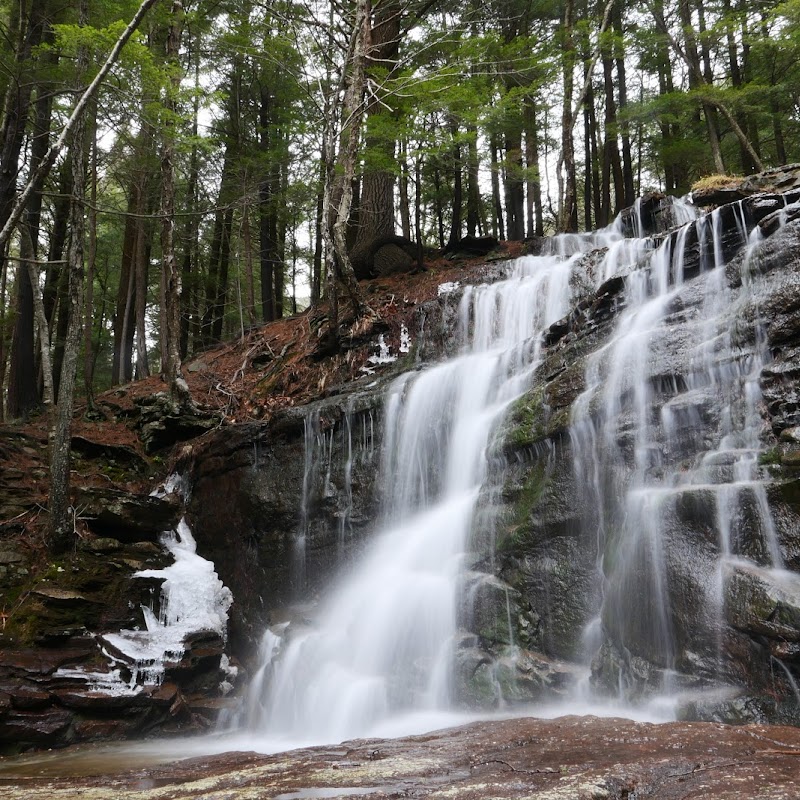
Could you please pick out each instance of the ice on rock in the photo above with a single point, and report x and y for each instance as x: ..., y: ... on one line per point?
x: 193, y: 599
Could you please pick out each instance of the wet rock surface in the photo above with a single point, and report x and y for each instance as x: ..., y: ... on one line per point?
x: 741, y: 632
x: 574, y: 758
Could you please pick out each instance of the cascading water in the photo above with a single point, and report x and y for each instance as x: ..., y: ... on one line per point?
x: 646, y: 462
x: 383, y: 644
x: 666, y: 433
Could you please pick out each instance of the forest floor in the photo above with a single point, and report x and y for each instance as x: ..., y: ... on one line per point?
x: 268, y: 368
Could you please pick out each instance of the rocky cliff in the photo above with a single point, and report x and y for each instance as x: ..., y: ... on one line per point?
x: 628, y: 527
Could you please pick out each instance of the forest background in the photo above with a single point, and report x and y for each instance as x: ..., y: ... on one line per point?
x: 233, y: 161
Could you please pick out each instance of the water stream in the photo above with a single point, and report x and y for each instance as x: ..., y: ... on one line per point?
x: 378, y: 657
x: 382, y: 646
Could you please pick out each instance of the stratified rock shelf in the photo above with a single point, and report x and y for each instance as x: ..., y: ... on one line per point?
x: 571, y: 758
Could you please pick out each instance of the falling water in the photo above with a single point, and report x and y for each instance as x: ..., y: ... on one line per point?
x: 639, y: 457
x: 382, y: 646
x: 646, y: 446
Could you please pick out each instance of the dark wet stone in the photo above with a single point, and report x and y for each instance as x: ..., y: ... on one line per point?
x: 569, y: 758
x: 128, y: 517
x: 163, y: 425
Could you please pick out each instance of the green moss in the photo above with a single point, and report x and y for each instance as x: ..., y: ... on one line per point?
x: 516, y: 534
x: 526, y: 422
x: 770, y: 457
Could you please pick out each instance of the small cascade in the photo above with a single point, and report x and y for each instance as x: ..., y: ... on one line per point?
x: 311, y: 441
x: 647, y: 461
x: 332, y: 453
x: 383, y: 645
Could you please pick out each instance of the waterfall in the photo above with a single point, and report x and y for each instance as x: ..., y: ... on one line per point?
x: 645, y: 459
x: 382, y: 645
x: 664, y: 434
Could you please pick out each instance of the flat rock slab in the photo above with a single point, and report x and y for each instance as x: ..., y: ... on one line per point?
x: 570, y: 758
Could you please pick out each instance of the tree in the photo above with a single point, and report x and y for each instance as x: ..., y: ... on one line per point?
x: 171, y: 274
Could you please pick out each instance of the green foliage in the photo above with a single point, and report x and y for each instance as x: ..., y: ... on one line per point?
x: 466, y: 76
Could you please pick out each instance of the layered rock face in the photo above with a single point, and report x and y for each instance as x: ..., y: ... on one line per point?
x: 641, y: 518
x: 649, y: 483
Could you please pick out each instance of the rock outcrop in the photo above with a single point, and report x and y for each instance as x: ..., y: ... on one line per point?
x: 281, y: 506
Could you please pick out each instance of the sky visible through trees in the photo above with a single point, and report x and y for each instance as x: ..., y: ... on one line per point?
x: 244, y: 158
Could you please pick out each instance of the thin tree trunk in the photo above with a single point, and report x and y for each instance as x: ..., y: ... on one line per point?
x: 498, y: 229
x: 629, y: 196
x: 565, y: 169
x: 61, y: 523
x: 611, y: 146
x: 352, y: 117
x: 455, y: 218
x: 191, y: 227
x: 534, y: 188
x: 247, y: 244
x: 405, y: 213
x: 141, y: 275
x: 88, y: 346
x: 418, y: 207
x: 316, y: 270
x: 48, y: 395
x: 473, y: 183
x: 171, y: 355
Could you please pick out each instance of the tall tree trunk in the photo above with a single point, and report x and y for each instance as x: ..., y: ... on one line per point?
x: 270, y: 254
x: 247, y: 246
x: 61, y: 522
x: 121, y: 371
x: 418, y: 207
x: 611, y: 145
x: 352, y: 118
x: 141, y: 279
x: 376, y: 199
x: 498, y: 228
x: 456, y: 216
x: 593, y: 187
x: 566, y: 172
x: 170, y: 349
x: 588, y: 170
x: 405, y: 207
x: 534, y: 193
x: 316, y: 273
x: 190, y: 301
x: 629, y: 194
x: 58, y: 241
x: 220, y: 297
x: 48, y: 395
x: 88, y: 344
x: 473, y: 183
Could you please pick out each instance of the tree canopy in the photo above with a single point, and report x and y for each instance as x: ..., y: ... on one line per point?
x: 240, y: 159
